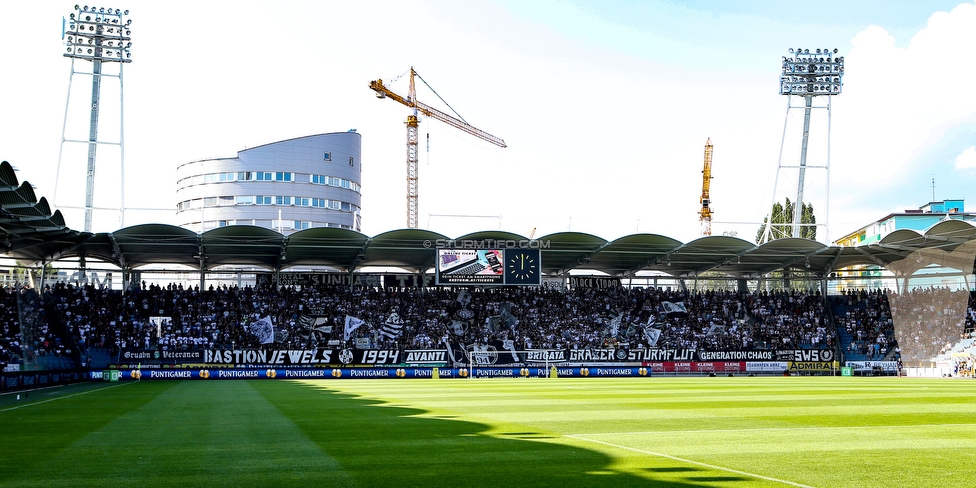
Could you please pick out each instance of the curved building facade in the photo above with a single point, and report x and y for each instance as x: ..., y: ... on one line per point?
x: 291, y: 185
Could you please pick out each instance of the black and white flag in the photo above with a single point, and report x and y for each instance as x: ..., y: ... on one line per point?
x: 652, y: 335
x: 263, y: 329
x: 674, y: 308
x: 352, y: 323
x: 464, y: 298
x: 393, y: 326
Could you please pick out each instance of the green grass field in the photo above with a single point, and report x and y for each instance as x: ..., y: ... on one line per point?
x: 567, y: 432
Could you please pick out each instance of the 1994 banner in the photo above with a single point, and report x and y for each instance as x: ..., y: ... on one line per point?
x: 291, y: 357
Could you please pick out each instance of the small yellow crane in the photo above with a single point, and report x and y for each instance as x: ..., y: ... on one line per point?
x: 412, y: 123
x: 706, y: 212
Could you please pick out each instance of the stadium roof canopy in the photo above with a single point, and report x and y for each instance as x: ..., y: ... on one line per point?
x: 415, y: 250
x: 32, y: 234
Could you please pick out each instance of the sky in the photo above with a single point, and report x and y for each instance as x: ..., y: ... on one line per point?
x: 605, y: 107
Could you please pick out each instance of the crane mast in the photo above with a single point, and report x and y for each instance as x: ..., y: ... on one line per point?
x: 706, y: 212
x: 412, y: 123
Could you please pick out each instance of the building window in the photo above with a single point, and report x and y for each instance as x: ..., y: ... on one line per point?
x: 264, y: 176
x: 281, y: 176
x: 263, y: 199
x: 301, y: 201
x: 351, y: 161
x: 225, y: 223
x: 301, y: 224
x: 328, y: 156
x: 244, y: 176
x: 225, y: 200
x: 210, y: 201
x: 245, y: 200
x: 280, y: 200
x: 319, y: 202
x: 318, y: 179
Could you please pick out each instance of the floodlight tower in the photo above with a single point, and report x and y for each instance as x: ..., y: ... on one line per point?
x: 99, y: 35
x: 807, y: 75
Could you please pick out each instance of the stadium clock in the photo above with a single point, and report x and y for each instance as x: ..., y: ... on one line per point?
x: 522, y: 267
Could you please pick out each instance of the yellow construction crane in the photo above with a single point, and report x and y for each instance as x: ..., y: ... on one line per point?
x: 706, y: 212
x: 421, y: 108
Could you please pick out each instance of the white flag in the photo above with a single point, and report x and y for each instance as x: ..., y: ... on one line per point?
x: 652, y: 335
x: 263, y: 329
x: 674, y: 307
x: 715, y: 330
x: 615, y: 325
x: 352, y: 323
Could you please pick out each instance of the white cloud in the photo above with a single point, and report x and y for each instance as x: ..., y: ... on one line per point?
x: 966, y: 159
x: 894, y: 98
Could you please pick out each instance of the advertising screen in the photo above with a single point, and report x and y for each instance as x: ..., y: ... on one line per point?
x: 488, y: 267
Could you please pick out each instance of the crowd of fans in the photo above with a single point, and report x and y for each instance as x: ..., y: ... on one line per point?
x: 27, y: 330
x: 865, y: 316
x: 928, y: 321
x: 178, y: 318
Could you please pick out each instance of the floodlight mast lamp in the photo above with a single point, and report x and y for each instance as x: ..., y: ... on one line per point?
x: 100, y: 35
x: 808, y: 74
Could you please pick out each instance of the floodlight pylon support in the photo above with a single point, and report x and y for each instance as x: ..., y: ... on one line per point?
x: 97, y: 35
x: 807, y: 75
x: 798, y: 208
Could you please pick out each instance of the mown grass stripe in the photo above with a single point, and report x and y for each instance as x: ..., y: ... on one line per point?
x: 192, y: 434
x: 852, y: 432
x: 690, y: 461
x: 27, y: 404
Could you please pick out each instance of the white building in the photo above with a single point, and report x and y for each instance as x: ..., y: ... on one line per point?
x: 300, y: 183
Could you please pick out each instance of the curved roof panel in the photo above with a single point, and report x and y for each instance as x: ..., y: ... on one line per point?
x: 406, y: 248
x: 563, y: 251
x: 325, y: 246
x: 242, y: 245
x: 30, y: 232
x: 635, y: 252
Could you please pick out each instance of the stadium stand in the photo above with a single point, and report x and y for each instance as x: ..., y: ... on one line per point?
x: 98, y: 320
x: 70, y: 325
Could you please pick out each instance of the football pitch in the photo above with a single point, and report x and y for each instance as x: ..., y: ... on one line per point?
x: 566, y: 432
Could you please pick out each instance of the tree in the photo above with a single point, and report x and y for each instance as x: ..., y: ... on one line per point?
x: 782, y: 222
